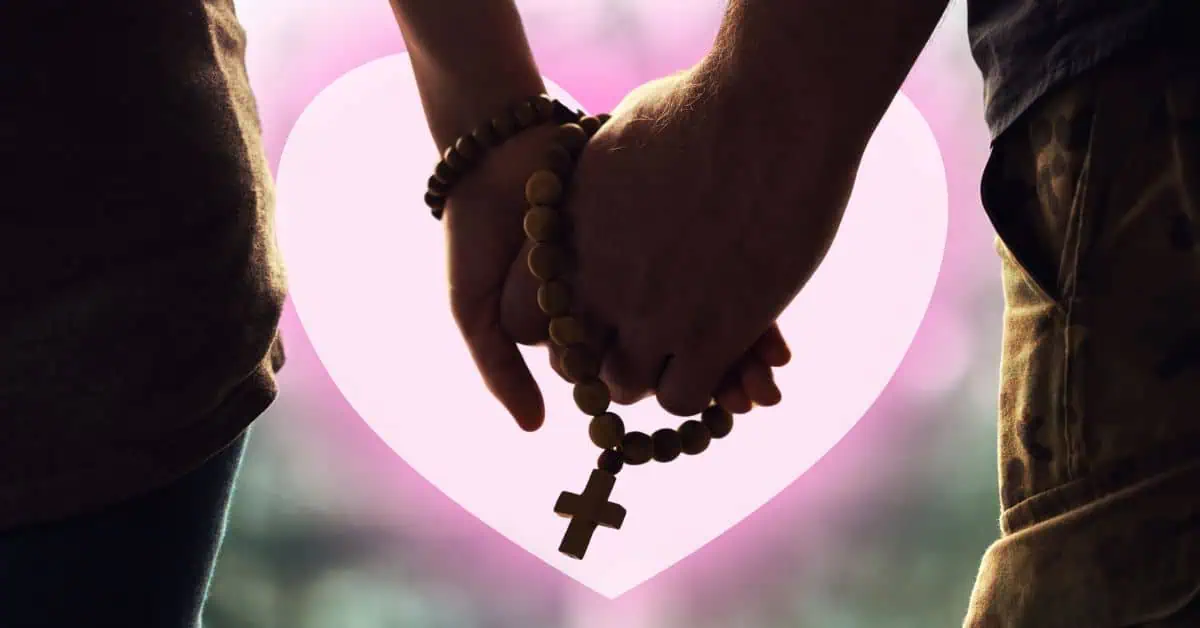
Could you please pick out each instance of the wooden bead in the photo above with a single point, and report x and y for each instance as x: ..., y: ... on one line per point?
x: 590, y: 125
x: 469, y: 148
x: 580, y: 363
x: 445, y: 173
x: 610, y: 461
x: 486, y: 136
x: 554, y: 298
x: 455, y: 159
x: 543, y: 224
x: 435, y: 201
x: 667, y: 445
x: 592, y: 397
x: 603, y: 118
x: 567, y: 330
x: 437, y: 186
x: 694, y: 437
x: 543, y: 107
x: 543, y: 188
x: 546, y: 262
x: 504, y: 125
x: 606, y: 430
x: 562, y: 114
x: 560, y: 162
x: 718, y: 420
x: 572, y: 137
x: 637, y: 448
x: 525, y: 115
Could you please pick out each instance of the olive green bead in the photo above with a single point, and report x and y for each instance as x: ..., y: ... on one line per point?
x: 543, y: 188
x: 580, y: 363
x: 694, y: 437
x: 560, y: 162
x: 567, y: 330
x: 590, y: 125
x: 718, y: 420
x: 543, y: 224
x: 572, y: 137
x: 554, y: 298
x: 592, y: 397
x: 606, y: 430
x: 470, y: 148
x: 610, y: 461
x: 546, y: 262
x: 637, y: 448
x: 667, y: 445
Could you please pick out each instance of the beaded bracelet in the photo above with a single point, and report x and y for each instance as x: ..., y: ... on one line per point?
x: 545, y: 226
x: 469, y: 150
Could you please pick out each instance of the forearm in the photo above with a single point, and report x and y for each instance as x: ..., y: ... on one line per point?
x: 813, y: 65
x: 471, y: 59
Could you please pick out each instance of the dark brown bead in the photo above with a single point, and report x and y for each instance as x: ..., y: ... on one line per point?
x: 572, y: 137
x: 486, y: 136
x: 603, y: 118
x: 592, y: 397
x: 694, y: 437
x: 445, y: 173
x: 562, y: 114
x: 580, y: 363
x: 455, y: 159
x: 437, y: 186
x: 436, y: 212
x: 637, y: 448
x: 543, y: 188
x: 567, y: 330
x: 543, y: 224
x: 560, y: 162
x: 546, y: 262
x: 543, y: 107
x: 435, y: 201
x: 554, y: 298
x: 504, y: 125
x: 718, y: 420
x: 525, y: 115
x: 606, y: 430
x: 610, y: 461
x: 666, y: 445
x: 469, y: 148
x: 590, y: 125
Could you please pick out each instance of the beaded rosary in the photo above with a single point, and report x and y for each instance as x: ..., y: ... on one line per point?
x: 545, y: 227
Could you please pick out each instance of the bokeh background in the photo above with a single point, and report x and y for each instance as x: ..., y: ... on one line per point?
x: 316, y: 540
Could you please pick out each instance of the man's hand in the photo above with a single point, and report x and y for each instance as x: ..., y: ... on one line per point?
x: 695, y: 224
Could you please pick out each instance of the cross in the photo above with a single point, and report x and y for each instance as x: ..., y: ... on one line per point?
x: 587, y: 511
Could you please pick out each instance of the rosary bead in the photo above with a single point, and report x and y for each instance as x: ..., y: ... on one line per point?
x: 469, y: 147
x: 543, y: 223
x: 543, y: 188
x: 543, y: 107
x: 454, y: 159
x: 667, y: 445
x: 525, y: 115
x: 592, y: 397
x: 554, y: 297
x: 590, y: 125
x: 718, y: 420
x: 572, y: 137
x: 606, y: 430
x: 637, y: 448
x: 504, y: 125
x: 580, y: 363
x: 546, y: 262
x: 437, y: 186
x: 567, y: 330
x: 486, y: 136
x: 610, y: 461
x: 560, y: 162
x: 694, y: 437
x: 435, y: 201
x: 445, y: 173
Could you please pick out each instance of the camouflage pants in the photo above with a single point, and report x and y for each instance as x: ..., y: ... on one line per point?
x: 1095, y: 197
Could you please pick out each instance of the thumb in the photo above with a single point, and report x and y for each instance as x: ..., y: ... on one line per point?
x: 504, y: 370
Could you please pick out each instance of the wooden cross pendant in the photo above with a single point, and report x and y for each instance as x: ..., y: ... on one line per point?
x: 587, y: 511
